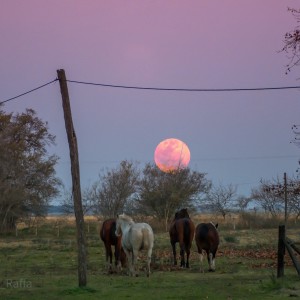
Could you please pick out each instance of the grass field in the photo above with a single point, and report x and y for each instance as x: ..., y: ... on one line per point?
x: 43, y: 265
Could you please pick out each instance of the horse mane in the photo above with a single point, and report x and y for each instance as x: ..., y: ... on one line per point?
x: 126, y: 218
x: 182, y: 213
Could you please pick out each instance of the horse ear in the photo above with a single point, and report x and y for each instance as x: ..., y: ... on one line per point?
x: 217, y: 225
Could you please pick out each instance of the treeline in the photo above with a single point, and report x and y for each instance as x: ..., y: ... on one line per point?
x: 28, y: 183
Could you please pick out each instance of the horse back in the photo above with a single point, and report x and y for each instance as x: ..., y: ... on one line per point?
x: 182, y: 230
x: 140, y: 236
x: 207, y: 237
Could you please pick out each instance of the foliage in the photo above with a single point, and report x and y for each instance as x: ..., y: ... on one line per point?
x: 111, y: 194
x: 27, y: 174
x: 292, y: 42
x: 221, y: 199
x: 270, y: 195
x: 160, y: 193
x: 88, y: 201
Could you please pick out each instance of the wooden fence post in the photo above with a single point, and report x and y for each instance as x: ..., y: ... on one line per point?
x: 281, y: 251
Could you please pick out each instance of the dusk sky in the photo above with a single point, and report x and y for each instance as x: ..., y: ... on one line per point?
x: 235, y: 137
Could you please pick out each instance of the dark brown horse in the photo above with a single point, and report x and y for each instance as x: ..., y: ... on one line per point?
x: 182, y: 231
x: 109, y: 238
x: 207, y: 238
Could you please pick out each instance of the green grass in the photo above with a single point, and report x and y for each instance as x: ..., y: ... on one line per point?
x: 45, y: 267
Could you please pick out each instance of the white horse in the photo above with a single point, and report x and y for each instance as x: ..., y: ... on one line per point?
x: 135, y: 237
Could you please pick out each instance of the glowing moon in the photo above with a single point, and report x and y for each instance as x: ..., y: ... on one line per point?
x: 171, y: 155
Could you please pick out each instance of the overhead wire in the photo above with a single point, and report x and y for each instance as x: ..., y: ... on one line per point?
x: 30, y: 91
x: 183, y: 89
x: 155, y: 88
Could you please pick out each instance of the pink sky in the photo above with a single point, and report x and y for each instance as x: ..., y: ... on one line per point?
x: 236, y: 138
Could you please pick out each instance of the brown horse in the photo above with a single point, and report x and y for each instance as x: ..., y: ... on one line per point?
x: 109, y: 238
x: 207, y: 238
x: 182, y: 230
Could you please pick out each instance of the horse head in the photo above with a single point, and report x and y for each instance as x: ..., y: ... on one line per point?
x: 183, y: 213
x: 122, y: 221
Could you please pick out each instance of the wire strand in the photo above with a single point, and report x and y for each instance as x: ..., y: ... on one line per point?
x: 184, y: 89
x: 155, y: 88
x: 37, y: 88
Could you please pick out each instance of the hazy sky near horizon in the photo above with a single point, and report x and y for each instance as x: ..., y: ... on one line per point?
x: 235, y: 137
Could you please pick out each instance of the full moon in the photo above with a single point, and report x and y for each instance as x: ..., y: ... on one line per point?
x: 172, y: 154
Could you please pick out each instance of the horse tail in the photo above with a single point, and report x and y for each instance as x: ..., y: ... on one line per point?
x: 189, y: 231
x: 146, y: 238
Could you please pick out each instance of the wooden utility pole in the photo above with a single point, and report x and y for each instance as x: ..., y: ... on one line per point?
x: 281, y: 251
x: 285, y: 199
x: 81, y: 243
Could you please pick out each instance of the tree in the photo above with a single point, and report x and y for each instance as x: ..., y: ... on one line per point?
x: 160, y: 193
x: 221, y: 199
x: 292, y: 42
x: 114, y: 189
x: 270, y: 196
x: 88, y: 201
x: 242, y: 203
x: 27, y: 174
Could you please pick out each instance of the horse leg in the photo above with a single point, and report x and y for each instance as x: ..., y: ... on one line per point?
x: 118, y: 258
x: 149, y: 254
x: 174, y: 253
x: 209, y: 256
x: 182, y: 249
x: 135, y: 254
x: 108, y: 253
x: 188, y: 251
x: 200, y: 251
x: 212, y: 266
x: 129, y: 260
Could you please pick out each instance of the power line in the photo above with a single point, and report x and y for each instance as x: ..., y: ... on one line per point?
x: 156, y: 88
x: 217, y: 159
x: 30, y: 91
x: 184, y: 89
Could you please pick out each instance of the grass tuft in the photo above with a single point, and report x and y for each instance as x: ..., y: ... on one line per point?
x: 78, y: 291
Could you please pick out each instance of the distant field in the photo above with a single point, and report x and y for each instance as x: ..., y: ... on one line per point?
x: 41, y: 263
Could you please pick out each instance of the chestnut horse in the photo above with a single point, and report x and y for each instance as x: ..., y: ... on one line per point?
x: 207, y: 238
x: 182, y: 230
x: 109, y: 238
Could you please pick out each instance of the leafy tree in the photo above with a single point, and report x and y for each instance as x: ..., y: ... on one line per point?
x: 292, y: 42
x: 222, y: 199
x: 27, y: 174
x: 160, y: 194
x: 115, y: 188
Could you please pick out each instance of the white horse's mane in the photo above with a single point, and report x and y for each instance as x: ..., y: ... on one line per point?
x: 126, y: 218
